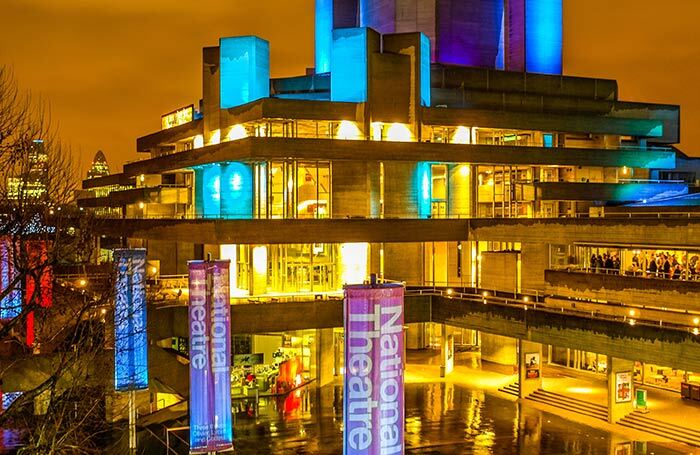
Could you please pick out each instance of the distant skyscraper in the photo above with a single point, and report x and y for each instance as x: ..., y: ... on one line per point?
x: 99, y: 166
x: 31, y: 177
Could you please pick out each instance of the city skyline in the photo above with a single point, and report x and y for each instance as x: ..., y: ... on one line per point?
x: 154, y: 48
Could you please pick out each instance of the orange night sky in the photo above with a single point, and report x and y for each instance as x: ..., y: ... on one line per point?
x: 110, y: 69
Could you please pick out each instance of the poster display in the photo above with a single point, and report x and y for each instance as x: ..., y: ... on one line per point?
x: 130, y: 338
x: 623, y: 387
x: 374, y: 370
x: 210, y: 356
x: 532, y: 365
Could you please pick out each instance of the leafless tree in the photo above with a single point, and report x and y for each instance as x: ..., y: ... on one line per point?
x: 63, y: 369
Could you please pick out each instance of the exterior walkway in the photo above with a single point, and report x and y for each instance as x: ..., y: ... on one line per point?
x: 423, y: 366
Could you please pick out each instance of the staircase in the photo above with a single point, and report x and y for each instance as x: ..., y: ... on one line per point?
x: 511, y: 389
x: 642, y: 422
x: 557, y: 400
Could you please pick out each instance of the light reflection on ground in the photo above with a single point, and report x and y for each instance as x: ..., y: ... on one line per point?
x: 441, y: 418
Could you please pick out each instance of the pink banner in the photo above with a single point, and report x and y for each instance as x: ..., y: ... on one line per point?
x: 210, y: 357
x: 374, y: 363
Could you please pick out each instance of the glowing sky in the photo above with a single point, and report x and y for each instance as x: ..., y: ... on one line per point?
x: 110, y: 69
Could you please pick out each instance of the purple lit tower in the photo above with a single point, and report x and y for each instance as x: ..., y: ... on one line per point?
x: 516, y: 35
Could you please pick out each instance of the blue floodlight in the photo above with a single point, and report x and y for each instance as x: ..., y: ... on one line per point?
x: 349, y: 65
x: 244, y: 69
x: 543, y: 37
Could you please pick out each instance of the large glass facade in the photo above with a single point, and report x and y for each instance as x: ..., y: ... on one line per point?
x: 293, y: 189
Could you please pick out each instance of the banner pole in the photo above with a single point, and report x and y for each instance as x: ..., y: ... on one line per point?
x: 132, y: 422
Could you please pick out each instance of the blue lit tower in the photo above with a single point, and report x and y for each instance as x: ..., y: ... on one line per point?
x: 516, y: 35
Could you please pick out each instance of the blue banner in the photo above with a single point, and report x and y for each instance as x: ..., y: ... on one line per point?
x: 130, y: 338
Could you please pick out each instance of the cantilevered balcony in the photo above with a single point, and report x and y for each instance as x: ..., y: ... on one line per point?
x: 265, y: 148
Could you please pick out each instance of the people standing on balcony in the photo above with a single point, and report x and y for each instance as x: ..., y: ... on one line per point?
x: 653, y: 269
x: 594, y: 262
x: 666, y: 267
x: 609, y: 265
x: 599, y: 264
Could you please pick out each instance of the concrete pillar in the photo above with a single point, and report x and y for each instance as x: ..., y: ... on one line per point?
x: 529, y: 367
x: 499, y: 349
x: 416, y: 336
x: 351, y: 185
x: 620, y: 388
x: 534, y: 260
x: 402, y: 188
x: 447, y: 348
x: 324, y: 356
x: 258, y: 280
x: 236, y: 190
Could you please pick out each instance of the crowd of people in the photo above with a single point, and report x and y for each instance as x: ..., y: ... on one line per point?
x: 651, y: 264
x: 607, y: 263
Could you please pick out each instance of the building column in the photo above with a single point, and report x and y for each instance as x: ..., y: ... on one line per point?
x: 620, y: 388
x: 415, y: 336
x: 258, y: 279
x: 325, y: 356
x: 447, y: 351
x: 529, y: 367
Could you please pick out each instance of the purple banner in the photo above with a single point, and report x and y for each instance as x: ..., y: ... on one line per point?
x: 374, y: 363
x: 210, y: 356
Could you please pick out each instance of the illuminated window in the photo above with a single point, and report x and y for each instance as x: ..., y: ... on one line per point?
x: 462, y: 135
x: 348, y: 130
x: 236, y: 132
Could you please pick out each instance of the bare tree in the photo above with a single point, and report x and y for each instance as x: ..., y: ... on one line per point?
x: 52, y: 332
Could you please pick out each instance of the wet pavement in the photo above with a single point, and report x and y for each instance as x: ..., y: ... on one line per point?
x: 441, y: 418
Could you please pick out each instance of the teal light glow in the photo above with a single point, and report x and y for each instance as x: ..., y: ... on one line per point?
x: 208, y: 191
x: 543, y: 37
x: 349, y: 65
x: 245, y: 70
x: 424, y: 70
x: 423, y: 180
x: 236, y: 191
x: 324, y: 35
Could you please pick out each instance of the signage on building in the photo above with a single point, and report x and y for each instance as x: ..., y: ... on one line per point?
x: 177, y: 117
x: 210, y: 356
x: 623, y: 387
x: 130, y: 338
x: 248, y: 359
x: 532, y: 365
x: 374, y: 364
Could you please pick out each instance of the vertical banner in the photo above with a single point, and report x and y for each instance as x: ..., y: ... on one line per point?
x: 38, y: 283
x: 130, y: 338
x: 210, y: 356
x: 11, y: 304
x: 374, y: 363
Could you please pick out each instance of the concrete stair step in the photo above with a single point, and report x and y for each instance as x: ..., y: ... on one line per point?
x: 569, y: 399
x: 572, y: 405
x: 569, y: 407
x: 639, y: 420
x: 511, y: 389
x: 652, y: 429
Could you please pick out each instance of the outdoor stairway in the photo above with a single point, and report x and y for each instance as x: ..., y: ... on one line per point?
x: 594, y: 410
x: 511, y: 389
x: 642, y: 422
